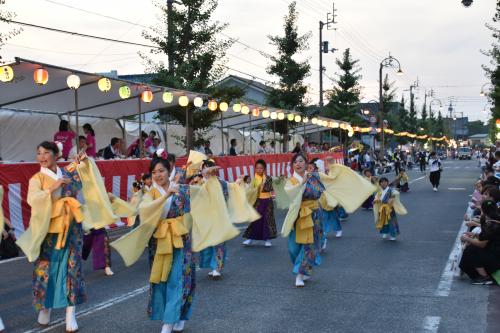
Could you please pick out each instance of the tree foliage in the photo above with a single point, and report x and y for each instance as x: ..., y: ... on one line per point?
x: 344, y: 97
x: 412, y: 116
x: 493, y: 73
x: 290, y: 90
x: 5, y: 18
x: 197, y: 57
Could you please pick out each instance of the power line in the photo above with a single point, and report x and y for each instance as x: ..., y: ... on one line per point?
x: 80, y: 34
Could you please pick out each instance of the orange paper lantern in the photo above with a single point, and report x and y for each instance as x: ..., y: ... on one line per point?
x: 147, y: 96
x: 41, y: 76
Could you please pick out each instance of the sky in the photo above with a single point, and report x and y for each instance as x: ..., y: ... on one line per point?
x: 438, y: 42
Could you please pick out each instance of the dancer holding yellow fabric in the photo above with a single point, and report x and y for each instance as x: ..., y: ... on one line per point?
x: 54, y: 237
x: 385, y: 207
x: 302, y: 226
x: 180, y: 219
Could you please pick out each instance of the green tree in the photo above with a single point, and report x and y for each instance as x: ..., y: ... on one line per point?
x: 290, y: 90
x: 197, y: 59
x: 6, y: 16
x: 412, y: 116
x: 493, y: 73
x: 432, y: 122
x: 440, y: 130
x: 477, y: 127
x: 424, y: 123
x: 344, y: 97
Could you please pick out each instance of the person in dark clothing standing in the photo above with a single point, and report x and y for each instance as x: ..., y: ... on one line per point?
x: 232, y: 150
x: 422, y: 161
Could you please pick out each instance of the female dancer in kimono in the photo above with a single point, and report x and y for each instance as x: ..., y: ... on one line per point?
x: 54, y: 237
x: 261, y: 188
x: 385, y: 207
x: 180, y: 219
x: 302, y: 225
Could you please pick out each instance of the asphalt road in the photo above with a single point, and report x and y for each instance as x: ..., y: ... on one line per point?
x: 364, y: 284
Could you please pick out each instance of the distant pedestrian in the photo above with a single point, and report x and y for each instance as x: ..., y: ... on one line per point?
x: 90, y: 138
x: 66, y: 137
x: 232, y: 149
x: 435, y: 170
x: 297, y: 149
x: 422, y: 158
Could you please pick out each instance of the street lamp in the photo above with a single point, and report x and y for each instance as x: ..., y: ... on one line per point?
x: 483, y: 93
x: 390, y: 62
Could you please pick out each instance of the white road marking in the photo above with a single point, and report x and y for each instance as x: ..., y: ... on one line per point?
x: 431, y: 324
x: 414, y: 180
x: 446, y: 281
x: 101, y: 306
x: 456, y: 188
x: 11, y: 260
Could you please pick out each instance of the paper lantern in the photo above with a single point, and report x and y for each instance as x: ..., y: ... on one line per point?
x: 245, y: 109
x: 168, y: 97
x: 350, y: 134
x: 6, y: 73
x: 73, y: 81
x: 41, y: 76
x: 335, y: 125
x: 314, y: 121
x: 183, y: 100
x: 290, y: 117
x: 124, y: 92
x: 325, y: 123
x: 342, y: 126
x: 298, y: 118
x: 266, y: 114
x: 305, y: 120
x: 237, y: 107
x: 255, y: 112
x: 212, y: 105
x: 147, y: 96
x: 198, y: 102
x: 223, y: 106
x: 281, y: 116
x: 274, y: 115
x: 498, y: 123
x: 104, y: 84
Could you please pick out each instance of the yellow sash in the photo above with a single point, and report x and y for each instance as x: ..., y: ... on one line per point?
x: 63, y: 212
x: 169, y: 236
x: 304, y: 226
x: 384, y: 215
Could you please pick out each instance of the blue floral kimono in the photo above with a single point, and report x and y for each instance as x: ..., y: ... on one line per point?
x: 57, y: 275
x: 330, y: 221
x: 305, y: 256
x: 214, y: 257
x: 171, y: 301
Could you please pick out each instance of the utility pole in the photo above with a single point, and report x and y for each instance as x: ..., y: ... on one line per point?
x: 323, y: 48
x: 170, y: 40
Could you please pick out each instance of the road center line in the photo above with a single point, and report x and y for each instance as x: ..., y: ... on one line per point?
x: 456, y: 188
x: 106, y: 304
x: 11, y: 260
x: 431, y: 324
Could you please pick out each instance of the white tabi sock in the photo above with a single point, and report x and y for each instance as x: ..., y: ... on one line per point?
x: 71, y: 324
x: 179, y: 327
x: 2, y: 327
x: 166, y: 328
x: 44, y: 317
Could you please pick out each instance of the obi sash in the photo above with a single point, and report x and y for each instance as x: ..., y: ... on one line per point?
x: 64, y: 211
x: 169, y: 236
x: 304, y: 226
x: 384, y: 215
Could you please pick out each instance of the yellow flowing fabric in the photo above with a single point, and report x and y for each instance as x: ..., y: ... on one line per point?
x: 239, y: 208
x: 169, y: 236
x: 97, y: 204
x: 40, y: 201
x: 2, y: 218
x: 282, y: 199
x: 212, y: 224
x: 384, y: 215
x: 209, y: 221
x: 194, y: 162
x: 342, y: 186
x: 43, y: 205
x: 304, y: 233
